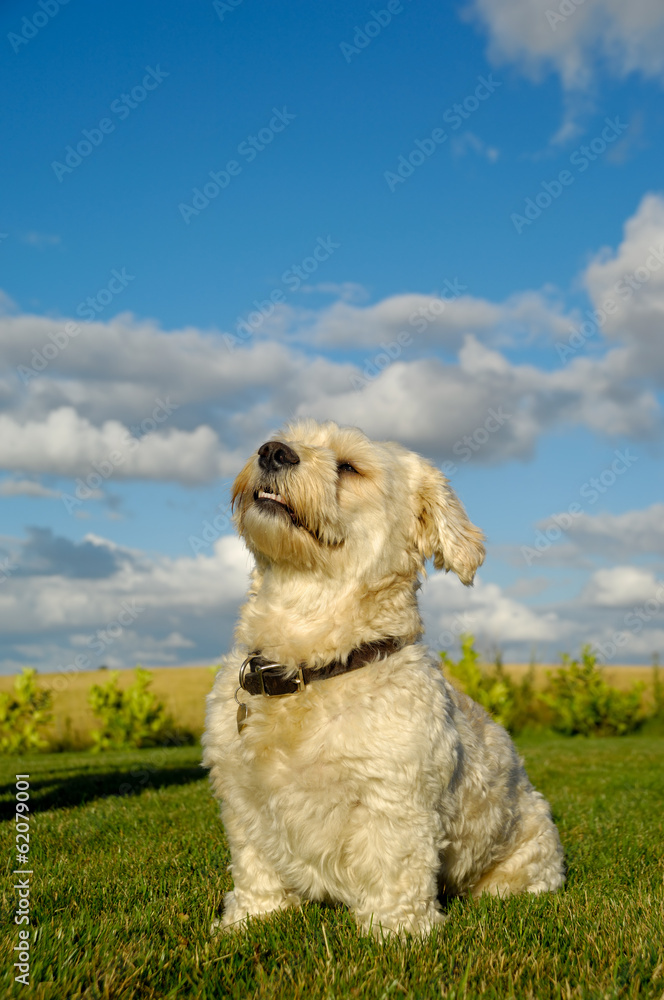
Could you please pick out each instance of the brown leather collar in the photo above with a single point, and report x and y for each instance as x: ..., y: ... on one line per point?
x: 259, y: 675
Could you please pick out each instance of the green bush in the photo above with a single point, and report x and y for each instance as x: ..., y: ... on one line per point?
x: 657, y: 688
x: 23, y: 713
x: 511, y: 703
x: 577, y: 700
x: 133, y: 717
x: 583, y: 703
x: 654, y: 724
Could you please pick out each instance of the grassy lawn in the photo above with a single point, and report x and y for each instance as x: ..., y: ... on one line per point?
x: 129, y: 863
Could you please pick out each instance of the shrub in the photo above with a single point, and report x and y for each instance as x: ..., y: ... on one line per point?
x: 23, y: 713
x: 583, y: 703
x: 657, y: 688
x: 655, y: 722
x: 509, y: 702
x: 133, y: 717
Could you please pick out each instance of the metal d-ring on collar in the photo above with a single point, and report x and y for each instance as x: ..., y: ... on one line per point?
x: 254, y: 672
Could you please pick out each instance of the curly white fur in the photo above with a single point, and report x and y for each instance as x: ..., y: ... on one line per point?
x: 382, y: 788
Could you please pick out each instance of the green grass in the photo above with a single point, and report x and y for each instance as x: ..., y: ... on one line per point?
x: 129, y: 863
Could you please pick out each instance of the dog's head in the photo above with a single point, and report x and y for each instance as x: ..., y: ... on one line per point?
x: 325, y: 497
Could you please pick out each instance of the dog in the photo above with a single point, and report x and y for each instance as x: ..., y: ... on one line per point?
x: 348, y: 769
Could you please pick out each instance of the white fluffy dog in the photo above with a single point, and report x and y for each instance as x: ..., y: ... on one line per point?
x: 348, y: 769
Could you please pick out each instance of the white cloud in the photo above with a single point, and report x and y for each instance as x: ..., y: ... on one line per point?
x: 433, y: 370
x: 486, y: 612
x: 621, y: 586
x: 628, y: 286
x: 140, y: 648
x: 433, y: 407
x: 623, y: 535
x: 125, y: 363
x: 575, y: 39
x: 468, y: 142
x: 440, y: 320
x: 26, y: 488
x: 348, y: 291
x: 67, y: 444
x: 169, y: 604
x: 183, y: 609
x: 40, y: 240
x: 625, y: 37
x: 7, y: 304
x: 178, y: 605
x: 62, y: 425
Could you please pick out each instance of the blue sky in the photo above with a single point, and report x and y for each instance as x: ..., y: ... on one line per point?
x: 415, y: 207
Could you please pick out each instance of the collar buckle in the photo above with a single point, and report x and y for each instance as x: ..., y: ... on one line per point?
x: 256, y: 666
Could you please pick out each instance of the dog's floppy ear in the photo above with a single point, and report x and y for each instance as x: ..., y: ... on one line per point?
x: 442, y: 528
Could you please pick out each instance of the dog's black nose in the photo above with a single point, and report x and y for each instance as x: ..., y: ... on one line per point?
x: 274, y: 455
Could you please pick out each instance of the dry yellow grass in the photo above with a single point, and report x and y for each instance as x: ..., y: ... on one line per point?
x: 183, y: 689
x: 621, y: 677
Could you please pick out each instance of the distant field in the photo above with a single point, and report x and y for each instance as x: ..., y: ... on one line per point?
x: 183, y: 689
x: 622, y: 676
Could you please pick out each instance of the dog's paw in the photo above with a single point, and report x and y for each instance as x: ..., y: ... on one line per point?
x: 235, y: 915
x: 221, y: 926
x: 402, y: 925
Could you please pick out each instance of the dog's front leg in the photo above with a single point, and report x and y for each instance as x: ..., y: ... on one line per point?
x: 258, y: 888
x: 395, y: 879
x: 257, y: 891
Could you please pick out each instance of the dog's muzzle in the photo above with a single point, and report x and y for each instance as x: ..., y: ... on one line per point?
x: 274, y: 457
